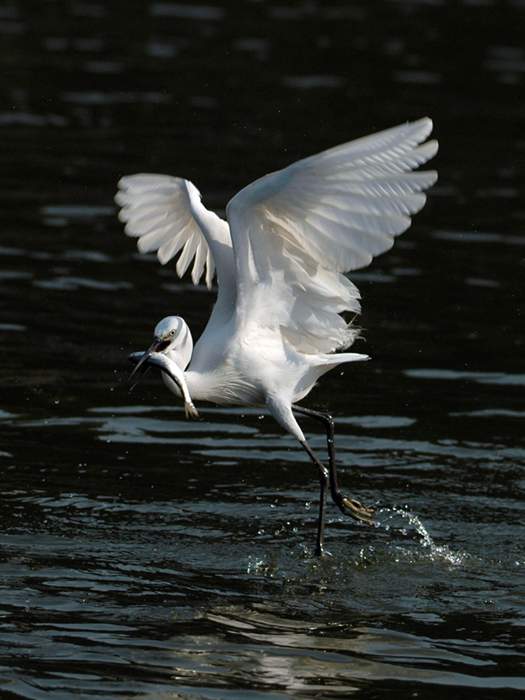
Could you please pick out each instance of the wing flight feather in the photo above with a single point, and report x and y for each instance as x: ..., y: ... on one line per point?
x: 295, y: 231
x: 158, y: 210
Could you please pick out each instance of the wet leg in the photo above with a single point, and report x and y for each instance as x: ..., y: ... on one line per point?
x: 346, y: 505
x: 323, y: 482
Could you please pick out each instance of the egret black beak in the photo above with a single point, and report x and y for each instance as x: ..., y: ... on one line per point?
x: 140, y: 369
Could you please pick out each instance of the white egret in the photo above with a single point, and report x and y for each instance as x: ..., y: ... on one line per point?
x: 277, y: 324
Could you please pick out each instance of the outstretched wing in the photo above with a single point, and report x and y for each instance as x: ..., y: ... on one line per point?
x: 297, y: 230
x: 166, y: 215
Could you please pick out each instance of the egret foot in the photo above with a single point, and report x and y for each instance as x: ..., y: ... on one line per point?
x: 355, y: 509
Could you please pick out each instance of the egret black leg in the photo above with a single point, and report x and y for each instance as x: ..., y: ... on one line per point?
x: 348, y: 506
x: 323, y: 482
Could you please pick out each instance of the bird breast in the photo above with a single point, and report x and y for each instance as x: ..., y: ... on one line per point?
x: 224, y: 387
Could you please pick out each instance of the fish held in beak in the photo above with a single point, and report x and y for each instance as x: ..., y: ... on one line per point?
x: 141, y: 367
x: 153, y: 358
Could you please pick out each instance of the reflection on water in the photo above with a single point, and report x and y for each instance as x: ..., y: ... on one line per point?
x: 142, y: 555
x: 481, y: 377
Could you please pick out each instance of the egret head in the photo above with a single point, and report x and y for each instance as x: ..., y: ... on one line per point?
x: 172, y: 336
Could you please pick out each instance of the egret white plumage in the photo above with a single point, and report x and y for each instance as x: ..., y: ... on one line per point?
x: 280, y: 259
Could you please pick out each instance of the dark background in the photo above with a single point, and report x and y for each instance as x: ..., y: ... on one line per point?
x: 145, y: 556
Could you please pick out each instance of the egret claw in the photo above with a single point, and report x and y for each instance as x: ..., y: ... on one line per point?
x: 357, y: 510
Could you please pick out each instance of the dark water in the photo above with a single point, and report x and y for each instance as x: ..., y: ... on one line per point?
x: 145, y: 556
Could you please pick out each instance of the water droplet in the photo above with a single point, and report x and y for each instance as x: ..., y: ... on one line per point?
x: 435, y: 552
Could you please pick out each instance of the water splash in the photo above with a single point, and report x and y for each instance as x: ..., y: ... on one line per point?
x: 262, y: 566
x: 403, y: 522
x: 300, y: 561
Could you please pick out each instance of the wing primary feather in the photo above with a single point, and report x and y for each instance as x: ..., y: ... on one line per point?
x: 172, y: 245
x: 210, y: 269
x: 189, y: 250
x: 198, y: 264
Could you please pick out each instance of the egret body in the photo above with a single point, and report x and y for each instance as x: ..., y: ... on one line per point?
x: 280, y: 259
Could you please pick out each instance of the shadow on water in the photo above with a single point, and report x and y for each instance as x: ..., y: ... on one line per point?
x: 145, y: 556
